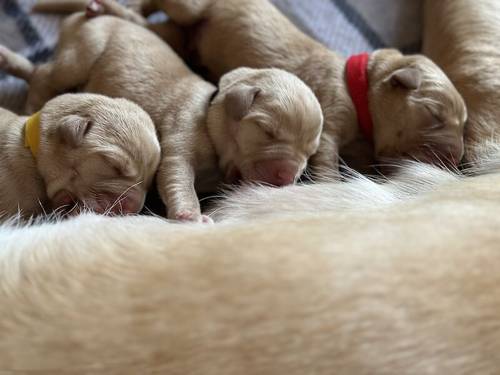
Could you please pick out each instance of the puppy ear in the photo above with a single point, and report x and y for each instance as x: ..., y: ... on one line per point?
x: 407, y: 78
x: 239, y: 100
x: 73, y: 128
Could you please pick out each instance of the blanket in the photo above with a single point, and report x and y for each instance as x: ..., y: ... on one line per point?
x: 346, y: 26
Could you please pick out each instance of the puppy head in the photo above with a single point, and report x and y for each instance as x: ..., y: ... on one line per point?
x: 417, y: 112
x: 265, y: 123
x: 97, y: 152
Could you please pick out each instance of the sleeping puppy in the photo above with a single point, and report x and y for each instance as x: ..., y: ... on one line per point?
x: 463, y: 37
x: 97, y: 152
x: 261, y: 125
x: 405, y: 106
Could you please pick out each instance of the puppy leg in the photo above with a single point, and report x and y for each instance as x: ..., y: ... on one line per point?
x: 176, y: 187
x: 15, y: 64
x: 185, y: 12
x: 59, y: 6
x: 114, y: 8
x: 69, y: 70
x: 168, y: 31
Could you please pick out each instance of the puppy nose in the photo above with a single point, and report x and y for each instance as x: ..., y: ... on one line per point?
x: 277, y: 172
x: 285, y: 177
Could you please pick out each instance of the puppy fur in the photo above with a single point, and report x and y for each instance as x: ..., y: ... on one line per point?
x: 417, y: 112
x: 98, y: 152
x: 374, y: 295
x: 463, y: 37
x: 262, y: 125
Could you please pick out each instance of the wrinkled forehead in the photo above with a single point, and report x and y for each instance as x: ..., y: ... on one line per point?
x: 296, y: 112
x: 132, y: 140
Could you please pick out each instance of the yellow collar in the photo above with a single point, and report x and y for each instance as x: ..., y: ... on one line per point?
x: 32, y: 134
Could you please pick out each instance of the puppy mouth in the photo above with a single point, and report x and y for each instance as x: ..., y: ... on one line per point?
x: 449, y: 158
x: 233, y: 175
x: 67, y: 204
x: 275, y: 172
x: 64, y: 202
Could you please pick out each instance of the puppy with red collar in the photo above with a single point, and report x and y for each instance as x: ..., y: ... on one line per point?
x: 381, y: 106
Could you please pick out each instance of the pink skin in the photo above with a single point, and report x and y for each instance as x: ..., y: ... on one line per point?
x: 94, y: 8
x: 279, y: 172
x: 189, y: 216
x: 104, y: 203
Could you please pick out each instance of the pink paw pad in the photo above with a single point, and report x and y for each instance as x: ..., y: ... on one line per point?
x: 206, y: 219
x: 94, y: 8
x: 190, y: 216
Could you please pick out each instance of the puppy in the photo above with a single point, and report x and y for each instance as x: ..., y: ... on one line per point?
x: 261, y: 125
x: 463, y: 37
x: 98, y: 152
x: 385, y: 105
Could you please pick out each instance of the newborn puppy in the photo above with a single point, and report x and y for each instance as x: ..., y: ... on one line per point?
x: 463, y: 37
x: 403, y: 106
x: 97, y: 152
x: 261, y: 125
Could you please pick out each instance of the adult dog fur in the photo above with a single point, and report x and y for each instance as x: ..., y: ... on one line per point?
x: 463, y: 37
x: 261, y: 125
x: 407, y: 289
x: 416, y: 111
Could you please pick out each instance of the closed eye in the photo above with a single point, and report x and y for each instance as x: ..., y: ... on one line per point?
x: 118, y: 171
x: 438, y: 122
x: 266, y: 130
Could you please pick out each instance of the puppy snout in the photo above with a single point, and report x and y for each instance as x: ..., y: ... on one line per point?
x: 451, y: 155
x: 277, y: 172
x: 118, y: 204
x: 457, y: 153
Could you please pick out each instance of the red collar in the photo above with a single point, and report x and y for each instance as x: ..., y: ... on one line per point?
x: 357, y: 82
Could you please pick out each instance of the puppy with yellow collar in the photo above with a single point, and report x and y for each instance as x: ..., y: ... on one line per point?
x: 260, y: 125
x: 84, y: 149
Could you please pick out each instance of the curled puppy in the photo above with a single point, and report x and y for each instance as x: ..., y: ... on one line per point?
x: 98, y: 152
x: 382, y: 106
x: 261, y: 125
x: 463, y: 37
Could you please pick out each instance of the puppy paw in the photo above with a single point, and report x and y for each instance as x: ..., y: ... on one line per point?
x: 94, y: 8
x: 206, y: 219
x: 192, y: 217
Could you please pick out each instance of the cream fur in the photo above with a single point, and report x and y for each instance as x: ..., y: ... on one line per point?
x: 410, y: 288
x: 270, y: 125
x: 423, y: 123
x: 95, y: 151
x: 463, y: 37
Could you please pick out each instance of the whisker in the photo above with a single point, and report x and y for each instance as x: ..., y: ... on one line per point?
x: 121, y: 198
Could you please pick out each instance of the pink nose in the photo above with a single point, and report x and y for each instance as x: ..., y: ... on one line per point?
x: 277, y: 172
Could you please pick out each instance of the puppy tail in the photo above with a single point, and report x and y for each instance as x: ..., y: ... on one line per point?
x: 60, y: 6
x: 15, y: 64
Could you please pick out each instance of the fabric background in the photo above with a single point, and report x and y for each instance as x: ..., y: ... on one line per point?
x: 346, y: 26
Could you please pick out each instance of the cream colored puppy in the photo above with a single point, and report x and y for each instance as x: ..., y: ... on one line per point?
x: 463, y: 37
x: 404, y: 106
x: 410, y: 289
x: 91, y: 150
x: 261, y: 125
